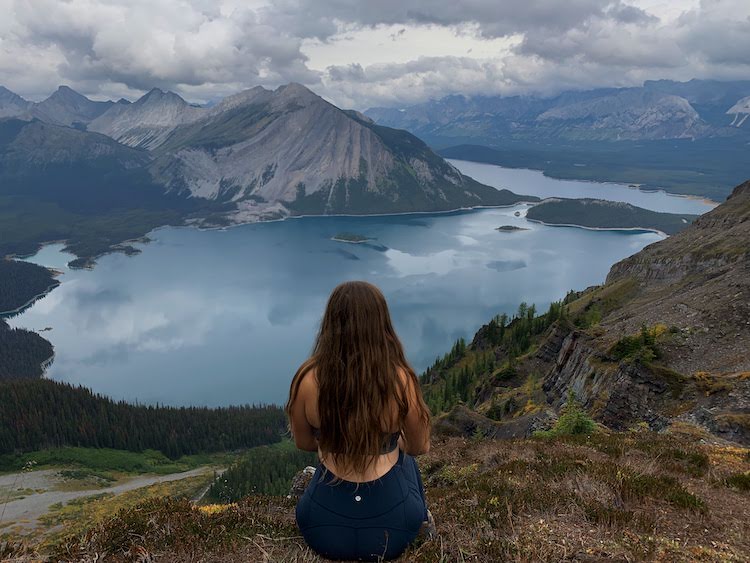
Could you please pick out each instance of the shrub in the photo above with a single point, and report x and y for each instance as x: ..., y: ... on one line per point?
x: 573, y: 420
x: 739, y: 481
x: 641, y: 346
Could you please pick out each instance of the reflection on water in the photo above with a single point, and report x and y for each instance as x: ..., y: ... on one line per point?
x: 225, y: 317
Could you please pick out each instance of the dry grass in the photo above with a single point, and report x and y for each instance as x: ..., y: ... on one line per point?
x: 635, y: 496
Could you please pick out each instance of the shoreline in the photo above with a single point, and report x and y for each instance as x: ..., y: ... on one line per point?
x: 46, y: 364
x: 31, y: 301
x: 351, y: 215
x: 626, y: 229
x: 634, y: 186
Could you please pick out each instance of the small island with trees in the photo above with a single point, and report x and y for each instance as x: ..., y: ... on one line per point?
x: 352, y: 238
x: 601, y: 214
x: 510, y: 228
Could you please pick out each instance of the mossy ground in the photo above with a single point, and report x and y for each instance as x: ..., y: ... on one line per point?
x: 610, y: 496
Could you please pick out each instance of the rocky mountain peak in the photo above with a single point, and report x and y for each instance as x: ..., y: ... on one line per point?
x: 156, y: 95
x: 67, y: 107
x: 64, y: 92
x: 11, y: 104
x: 296, y: 92
x: 8, y: 95
x: 250, y: 96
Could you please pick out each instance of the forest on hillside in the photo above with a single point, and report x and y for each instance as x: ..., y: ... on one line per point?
x: 22, y: 353
x: 453, y: 377
x: 40, y: 413
x: 20, y: 282
x: 266, y: 470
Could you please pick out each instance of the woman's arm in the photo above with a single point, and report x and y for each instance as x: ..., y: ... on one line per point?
x: 416, y: 431
x: 301, y: 428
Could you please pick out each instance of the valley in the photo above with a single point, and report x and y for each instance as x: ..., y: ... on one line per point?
x: 177, y: 295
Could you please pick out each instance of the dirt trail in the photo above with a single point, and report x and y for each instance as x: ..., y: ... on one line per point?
x: 27, y: 511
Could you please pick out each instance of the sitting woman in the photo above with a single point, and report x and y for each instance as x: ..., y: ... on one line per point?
x: 357, y: 402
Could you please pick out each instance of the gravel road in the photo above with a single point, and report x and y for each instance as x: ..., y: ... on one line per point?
x: 26, y: 512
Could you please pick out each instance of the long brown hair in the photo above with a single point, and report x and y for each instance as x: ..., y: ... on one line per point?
x: 357, y: 357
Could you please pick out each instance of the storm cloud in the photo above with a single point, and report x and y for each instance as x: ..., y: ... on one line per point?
x: 360, y: 54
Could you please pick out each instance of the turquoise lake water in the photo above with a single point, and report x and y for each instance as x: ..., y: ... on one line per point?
x: 226, y: 316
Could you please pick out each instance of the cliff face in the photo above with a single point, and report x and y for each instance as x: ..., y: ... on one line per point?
x: 697, y: 285
x: 699, y: 281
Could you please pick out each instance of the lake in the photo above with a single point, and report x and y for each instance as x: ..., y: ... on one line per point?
x: 534, y: 182
x: 226, y: 316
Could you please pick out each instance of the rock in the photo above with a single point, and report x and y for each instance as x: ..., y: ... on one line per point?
x: 300, y: 482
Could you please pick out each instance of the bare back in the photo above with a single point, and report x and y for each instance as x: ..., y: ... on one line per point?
x: 305, y: 419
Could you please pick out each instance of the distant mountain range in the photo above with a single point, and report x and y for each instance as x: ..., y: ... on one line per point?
x: 686, y: 137
x: 657, y: 110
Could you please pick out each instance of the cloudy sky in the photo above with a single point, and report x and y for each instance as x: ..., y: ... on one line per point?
x: 366, y: 53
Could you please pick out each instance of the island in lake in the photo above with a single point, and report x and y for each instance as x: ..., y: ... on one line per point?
x: 601, y: 214
x: 350, y: 237
x: 510, y: 229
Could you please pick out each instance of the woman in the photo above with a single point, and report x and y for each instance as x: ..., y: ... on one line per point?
x: 357, y: 402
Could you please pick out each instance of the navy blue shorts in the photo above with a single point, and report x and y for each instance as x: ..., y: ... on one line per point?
x: 363, y: 521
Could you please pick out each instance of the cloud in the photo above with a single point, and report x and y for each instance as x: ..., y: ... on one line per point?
x: 173, y: 44
x: 360, y: 54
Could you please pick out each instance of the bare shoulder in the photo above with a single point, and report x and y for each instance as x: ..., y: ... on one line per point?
x: 308, y: 385
x: 405, y: 379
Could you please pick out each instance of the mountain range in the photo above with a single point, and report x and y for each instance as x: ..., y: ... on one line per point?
x: 269, y: 153
x: 657, y: 110
x: 691, y: 138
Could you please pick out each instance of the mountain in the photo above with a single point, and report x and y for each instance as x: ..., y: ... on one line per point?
x: 663, y: 342
x: 628, y: 114
x: 688, y: 138
x: 288, y: 151
x: 658, y: 110
x: 60, y: 183
x: 64, y: 107
x: 11, y: 104
x: 62, y: 163
x: 67, y: 107
x: 147, y: 122
x: 259, y: 154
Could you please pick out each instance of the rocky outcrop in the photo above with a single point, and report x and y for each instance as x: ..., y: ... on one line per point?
x: 740, y: 112
x: 618, y: 394
x: 462, y: 421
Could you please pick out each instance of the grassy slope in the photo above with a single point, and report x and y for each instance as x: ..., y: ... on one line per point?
x: 628, y: 496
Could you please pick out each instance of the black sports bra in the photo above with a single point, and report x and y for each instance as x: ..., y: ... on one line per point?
x: 392, y: 444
